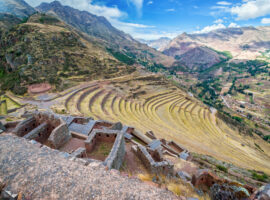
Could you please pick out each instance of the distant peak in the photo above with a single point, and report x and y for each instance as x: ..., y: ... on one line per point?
x: 56, y: 3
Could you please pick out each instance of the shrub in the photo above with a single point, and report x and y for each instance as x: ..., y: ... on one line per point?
x: 267, y: 138
x: 222, y: 168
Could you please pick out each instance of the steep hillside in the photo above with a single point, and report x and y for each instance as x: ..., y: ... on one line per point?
x: 45, y: 50
x: 158, y: 44
x: 18, y: 8
x: 117, y: 42
x: 7, y: 21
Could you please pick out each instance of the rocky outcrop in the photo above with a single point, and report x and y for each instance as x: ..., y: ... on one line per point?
x: 42, y: 173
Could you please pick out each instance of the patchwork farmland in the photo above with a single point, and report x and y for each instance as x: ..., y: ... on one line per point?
x: 152, y: 103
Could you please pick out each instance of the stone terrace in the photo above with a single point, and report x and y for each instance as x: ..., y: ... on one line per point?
x: 42, y: 173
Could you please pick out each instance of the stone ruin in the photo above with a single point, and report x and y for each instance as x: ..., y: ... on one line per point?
x: 81, y: 137
x: 153, y: 160
x: 44, y: 128
x: 77, y: 136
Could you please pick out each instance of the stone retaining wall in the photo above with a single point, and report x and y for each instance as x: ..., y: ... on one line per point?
x: 117, y: 153
x: 163, y: 167
x: 39, y: 134
x: 44, y: 127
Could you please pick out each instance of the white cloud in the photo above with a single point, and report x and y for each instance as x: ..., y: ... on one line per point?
x: 233, y: 25
x: 213, y: 27
x: 138, y: 4
x: 265, y: 21
x: 224, y: 3
x: 131, y: 25
x: 150, y: 2
x: 208, y: 29
x: 154, y: 35
x: 86, y: 5
x: 251, y: 9
x: 170, y: 10
x: 218, y: 21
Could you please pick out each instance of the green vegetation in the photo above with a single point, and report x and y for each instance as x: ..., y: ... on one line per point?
x: 155, y: 67
x: 239, y: 119
x: 267, y: 138
x: 222, y: 168
x: 121, y: 57
x: 226, y: 54
x: 46, y: 19
x: 260, y: 177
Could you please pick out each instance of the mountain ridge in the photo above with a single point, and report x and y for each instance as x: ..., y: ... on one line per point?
x: 112, y: 38
x: 18, y: 8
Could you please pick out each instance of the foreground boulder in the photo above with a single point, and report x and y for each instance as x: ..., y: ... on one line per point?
x: 42, y: 173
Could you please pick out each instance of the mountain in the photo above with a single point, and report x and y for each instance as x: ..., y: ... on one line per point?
x: 18, y: 8
x: 45, y: 49
x: 120, y: 45
x: 246, y: 43
x: 191, y: 54
x: 158, y: 44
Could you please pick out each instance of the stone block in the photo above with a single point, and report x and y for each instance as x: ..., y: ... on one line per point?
x: 59, y: 136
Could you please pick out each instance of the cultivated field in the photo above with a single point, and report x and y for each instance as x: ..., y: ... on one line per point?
x: 151, y: 103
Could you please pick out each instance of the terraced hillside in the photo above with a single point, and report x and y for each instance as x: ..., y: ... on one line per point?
x: 152, y: 103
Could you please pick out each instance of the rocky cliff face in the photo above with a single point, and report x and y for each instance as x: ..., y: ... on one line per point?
x: 18, y: 8
x: 105, y: 34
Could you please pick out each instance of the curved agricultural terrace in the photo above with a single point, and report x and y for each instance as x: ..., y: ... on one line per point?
x: 151, y: 103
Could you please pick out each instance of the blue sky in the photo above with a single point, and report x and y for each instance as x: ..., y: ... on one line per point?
x: 151, y: 19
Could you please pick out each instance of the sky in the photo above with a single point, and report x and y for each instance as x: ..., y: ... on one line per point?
x: 152, y: 19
